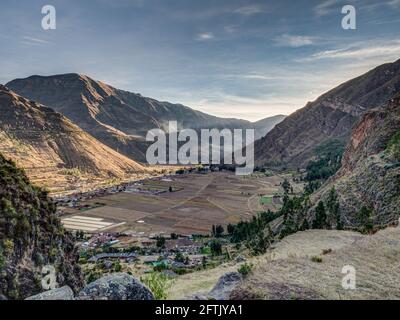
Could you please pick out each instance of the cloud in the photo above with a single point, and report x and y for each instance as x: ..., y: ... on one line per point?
x: 389, y: 50
x: 27, y: 40
x: 325, y: 7
x: 249, y: 10
x: 293, y: 41
x: 204, y: 36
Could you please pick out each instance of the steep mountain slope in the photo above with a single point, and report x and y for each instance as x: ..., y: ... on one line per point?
x: 370, y: 172
x: 52, y: 148
x: 31, y: 237
x: 118, y: 118
x: 264, y: 126
x: 332, y: 116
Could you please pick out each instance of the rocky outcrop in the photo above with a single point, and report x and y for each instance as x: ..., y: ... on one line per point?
x: 31, y: 237
x: 225, y: 285
x: 222, y: 290
x: 117, y: 286
x: 64, y: 293
x: 331, y: 117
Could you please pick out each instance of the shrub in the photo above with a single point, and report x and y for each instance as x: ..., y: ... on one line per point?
x: 160, y: 242
x: 364, y: 218
x: 245, y: 269
x: 8, y: 246
x: 117, y: 267
x: 2, y: 259
x: 316, y: 259
x: 158, y: 283
x: 216, y: 248
x: 394, y: 146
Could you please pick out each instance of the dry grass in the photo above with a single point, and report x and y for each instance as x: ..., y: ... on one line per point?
x: 376, y: 260
x: 305, y: 244
x: 288, y: 272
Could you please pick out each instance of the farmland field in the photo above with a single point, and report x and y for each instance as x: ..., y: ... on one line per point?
x: 197, y: 201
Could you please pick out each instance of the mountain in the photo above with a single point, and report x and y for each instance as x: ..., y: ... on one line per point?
x: 264, y: 126
x: 53, y: 150
x: 370, y: 172
x: 331, y: 117
x: 118, y: 118
x: 31, y: 237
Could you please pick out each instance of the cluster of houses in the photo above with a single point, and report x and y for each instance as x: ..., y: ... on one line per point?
x: 101, y: 240
x: 149, y: 254
x: 73, y: 200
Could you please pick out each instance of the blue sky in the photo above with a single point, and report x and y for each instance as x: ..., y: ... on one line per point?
x: 230, y: 58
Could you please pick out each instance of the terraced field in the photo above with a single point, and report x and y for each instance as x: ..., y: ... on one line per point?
x: 197, y: 201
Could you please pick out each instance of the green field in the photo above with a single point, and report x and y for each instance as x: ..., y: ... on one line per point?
x: 265, y: 200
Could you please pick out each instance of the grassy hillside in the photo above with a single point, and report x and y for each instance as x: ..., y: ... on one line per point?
x: 290, y: 269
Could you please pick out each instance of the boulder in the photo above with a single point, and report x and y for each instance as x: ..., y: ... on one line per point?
x: 64, y: 293
x: 117, y: 286
x: 240, y: 258
x: 225, y: 285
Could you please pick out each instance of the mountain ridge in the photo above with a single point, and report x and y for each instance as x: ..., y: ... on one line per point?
x: 331, y: 116
x: 118, y: 118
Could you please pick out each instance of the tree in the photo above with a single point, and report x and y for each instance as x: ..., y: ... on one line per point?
x: 216, y: 247
x: 174, y: 236
x: 364, y: 218
x: 320, y: 216
x: 160, y: 242
x: 179, y: 257
x: 333, y: 208
x: 230, y: 229
x: 219, y: 230
x: 286, y: 186
x: 305, y: 226
x: 259, y: 244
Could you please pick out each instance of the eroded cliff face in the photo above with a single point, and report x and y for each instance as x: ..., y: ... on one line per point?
x: 370, y: 172
x: 31, y: 237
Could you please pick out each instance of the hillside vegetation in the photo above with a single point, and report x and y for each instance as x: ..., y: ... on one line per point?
x: 31, y: 236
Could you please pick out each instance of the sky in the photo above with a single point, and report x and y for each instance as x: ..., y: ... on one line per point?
x: 230, y: 58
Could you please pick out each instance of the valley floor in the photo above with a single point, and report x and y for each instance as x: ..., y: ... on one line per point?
x: 184, y: 204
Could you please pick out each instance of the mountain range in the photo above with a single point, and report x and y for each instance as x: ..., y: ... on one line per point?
x: 118, y: 118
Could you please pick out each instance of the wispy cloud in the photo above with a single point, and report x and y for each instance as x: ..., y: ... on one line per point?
x: 389, y: 50
x: 249, y: 10
x: 204, y: 36
x: 27, y: 40
x: 294, y: 41
x: 325, y: 7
